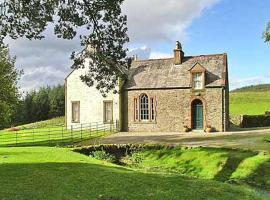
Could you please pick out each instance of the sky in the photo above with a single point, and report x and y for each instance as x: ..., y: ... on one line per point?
x: 202, y: 26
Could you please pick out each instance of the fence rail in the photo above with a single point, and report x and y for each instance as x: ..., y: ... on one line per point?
x: 56, y: 135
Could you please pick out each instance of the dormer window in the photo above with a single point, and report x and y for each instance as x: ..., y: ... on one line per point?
x: 198, y: 81
x: 197, y: 77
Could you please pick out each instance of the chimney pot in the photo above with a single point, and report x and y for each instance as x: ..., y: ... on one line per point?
x: 178, y: 54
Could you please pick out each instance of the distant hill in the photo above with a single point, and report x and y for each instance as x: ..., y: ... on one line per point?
x: 254, y: 88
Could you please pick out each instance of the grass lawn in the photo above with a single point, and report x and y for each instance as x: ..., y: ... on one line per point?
x: 249, y: 103
x: 52, y: 132
x: 48, y: 136
x: 55, y: 173
x: 209, y: 163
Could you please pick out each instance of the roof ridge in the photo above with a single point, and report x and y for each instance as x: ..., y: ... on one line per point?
x: 169, y: 58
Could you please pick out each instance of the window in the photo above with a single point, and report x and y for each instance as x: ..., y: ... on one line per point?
x: 197, y: 81
x: 76, y: 112
x: 144, y: 107
x: 136, y: 110
x: 108, y: 111
x: 152, y: 109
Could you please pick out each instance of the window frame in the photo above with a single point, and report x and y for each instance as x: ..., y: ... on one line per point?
x: 197, y: 68
x: 104, y: 111
x: 194, y: 81
x: 138, y: 109
x: 79, y: 111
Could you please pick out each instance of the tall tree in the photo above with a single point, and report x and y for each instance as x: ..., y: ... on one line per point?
x: 9, y: 95
x: 106, y: 32
x: 266, y: 34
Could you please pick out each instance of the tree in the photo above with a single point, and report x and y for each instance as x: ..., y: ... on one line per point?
x: 266, y: 34
x: 102, y: 19
x: 9, y: 95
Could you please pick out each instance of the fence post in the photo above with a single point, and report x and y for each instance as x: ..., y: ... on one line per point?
x: 111, y: 127
x: 62, y: 133
x: 97, y: 128
x: 71, y: 132
x: 33, y: 136
x: 50, y: 136
x: 16, y: 138
x: 90, y: 130
x: 81, y: 132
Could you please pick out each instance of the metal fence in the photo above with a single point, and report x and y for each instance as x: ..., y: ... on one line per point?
x: 56, y: 135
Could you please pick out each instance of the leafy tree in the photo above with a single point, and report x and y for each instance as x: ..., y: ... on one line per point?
x: 266, y: 34
x: 57, y: 101
x: 45, y: 103
x: 9, y: 95
x: 105, y: 25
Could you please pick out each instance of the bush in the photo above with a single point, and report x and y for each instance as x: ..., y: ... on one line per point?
x: 267, y: 138
x: 136, y: 158
x: 102, y: 155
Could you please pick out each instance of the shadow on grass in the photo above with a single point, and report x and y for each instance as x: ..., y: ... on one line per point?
x: 54, y: 181
x: 232, y: 163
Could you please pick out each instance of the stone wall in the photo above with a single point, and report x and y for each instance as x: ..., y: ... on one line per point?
x: 250, y: 121
x: 173, y: 109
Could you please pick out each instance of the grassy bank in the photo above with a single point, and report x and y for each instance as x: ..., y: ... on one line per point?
x: 55, y: 173
x: 224, y: 165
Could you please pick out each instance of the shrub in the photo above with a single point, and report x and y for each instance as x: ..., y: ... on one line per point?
x: 102, y: 155
x: 267, y: 138
x: 136, y: 158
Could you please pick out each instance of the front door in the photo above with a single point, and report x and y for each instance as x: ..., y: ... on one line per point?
x: 197, y: 115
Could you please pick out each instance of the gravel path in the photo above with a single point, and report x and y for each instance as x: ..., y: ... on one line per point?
x: 247, y: 139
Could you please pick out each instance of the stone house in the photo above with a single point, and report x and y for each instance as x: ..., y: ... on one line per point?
x: 159, y: 95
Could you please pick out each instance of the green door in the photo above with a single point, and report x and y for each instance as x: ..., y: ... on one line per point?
x: 197, y: 115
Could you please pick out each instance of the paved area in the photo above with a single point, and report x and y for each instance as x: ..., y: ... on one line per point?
x: 246, y: 139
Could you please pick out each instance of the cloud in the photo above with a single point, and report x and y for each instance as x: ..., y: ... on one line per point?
x: 155, y: 55
x: 45, y: 62
x: 150, y: 23
x: 153, y: 21
x: 241, y: 82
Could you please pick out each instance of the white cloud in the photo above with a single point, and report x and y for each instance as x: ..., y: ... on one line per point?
x: 155, y: 55
x: 154, y: 21
x: 241, y: 82
x: 150, y: 23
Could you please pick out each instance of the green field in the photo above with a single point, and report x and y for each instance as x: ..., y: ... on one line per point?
x: 249, y: 102
x: 54, y: 173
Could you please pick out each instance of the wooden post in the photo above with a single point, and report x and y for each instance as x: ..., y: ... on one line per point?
x: 33, y: 140
x: 50, y: 136
x: 90, y: 130
x: 71, y: 132
x: 81, y: 132
x: 16, y: 138
x: 62, y: 134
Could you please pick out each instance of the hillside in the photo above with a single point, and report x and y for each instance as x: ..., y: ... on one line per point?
x: 251, y: 100
x: 253, y: 88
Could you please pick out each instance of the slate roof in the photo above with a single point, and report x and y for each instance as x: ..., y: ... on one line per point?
x: 162, y: 73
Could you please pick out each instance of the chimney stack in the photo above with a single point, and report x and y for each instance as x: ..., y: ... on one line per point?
x: 178, y: 54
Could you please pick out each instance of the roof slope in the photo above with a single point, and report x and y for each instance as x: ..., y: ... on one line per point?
x: 162, y: 73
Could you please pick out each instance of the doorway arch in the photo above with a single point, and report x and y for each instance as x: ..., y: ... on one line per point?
x: 197, y: 114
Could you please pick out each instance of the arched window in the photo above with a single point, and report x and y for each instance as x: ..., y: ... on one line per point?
x: 144, y: 107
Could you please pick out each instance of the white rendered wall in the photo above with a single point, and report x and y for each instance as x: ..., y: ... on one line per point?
x: 91, y: 101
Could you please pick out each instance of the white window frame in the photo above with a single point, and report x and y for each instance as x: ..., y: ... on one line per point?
x: 75, y: 119
x: 197, y: 80
x: 105, y: 110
